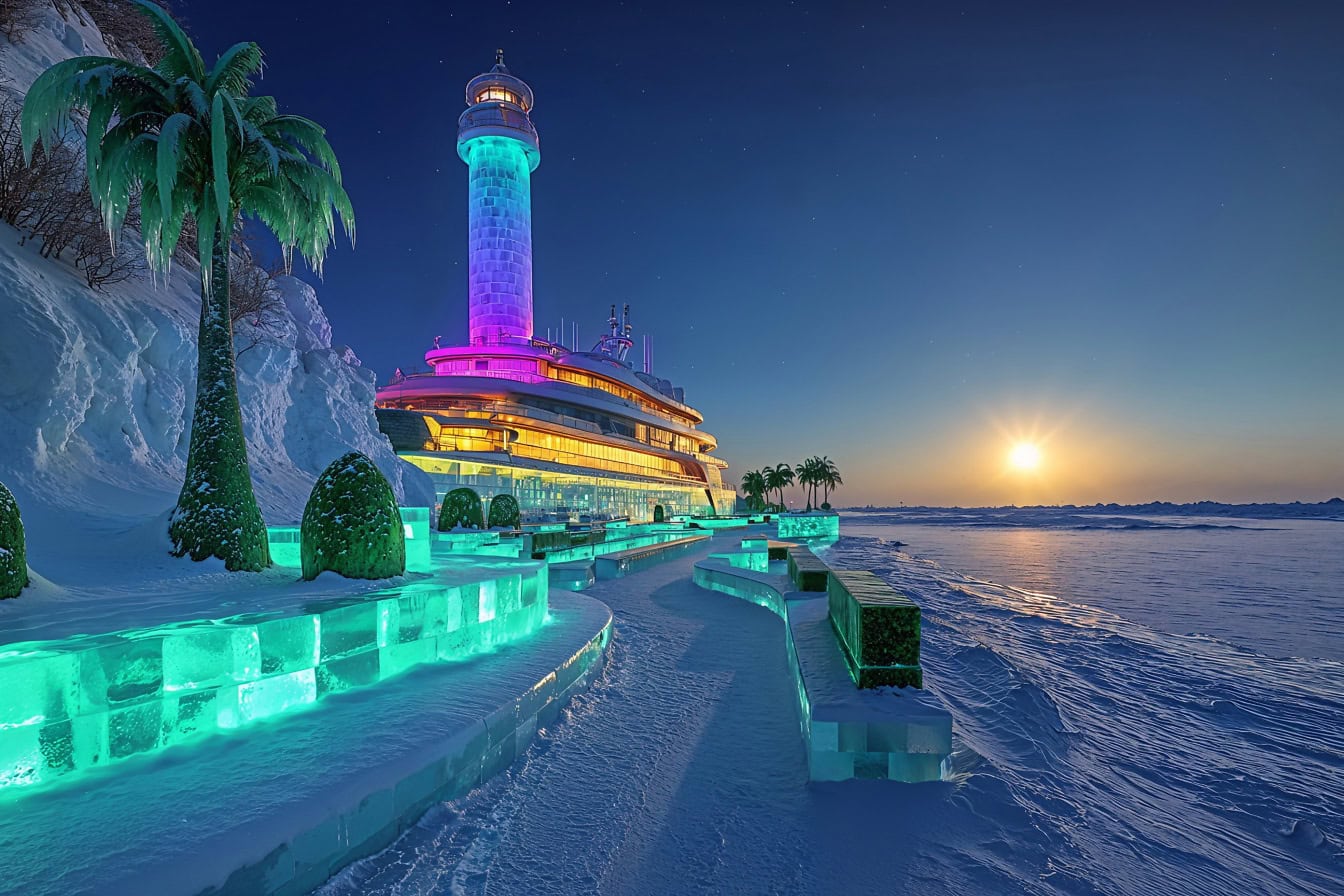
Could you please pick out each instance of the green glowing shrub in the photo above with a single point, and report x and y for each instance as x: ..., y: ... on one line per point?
x: 504, y: 512
x: 461, y: 510
x: 351, y: 525
x: 658, y: 513
x: 13, y: 559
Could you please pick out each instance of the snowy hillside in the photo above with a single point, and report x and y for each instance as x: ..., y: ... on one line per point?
x: 96, y: 388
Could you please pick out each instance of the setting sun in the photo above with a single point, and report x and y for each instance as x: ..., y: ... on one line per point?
x: 1024, y: 456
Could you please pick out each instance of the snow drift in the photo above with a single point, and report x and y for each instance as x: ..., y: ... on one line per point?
x: 96, y: 388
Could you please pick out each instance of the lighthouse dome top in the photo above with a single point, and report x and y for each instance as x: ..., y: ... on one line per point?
x: 498, y: 86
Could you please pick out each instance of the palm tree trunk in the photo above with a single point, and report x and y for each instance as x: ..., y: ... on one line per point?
x: 217, y: 513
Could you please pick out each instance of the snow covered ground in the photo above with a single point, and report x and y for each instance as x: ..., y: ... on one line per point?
x: 1096, y: 753
x: 96, y: 394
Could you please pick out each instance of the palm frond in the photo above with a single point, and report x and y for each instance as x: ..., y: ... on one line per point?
x: 309, y: 136
x: 69, y: 85
x: 234, y: 70
x: 219, y: 161
x: 167, y: 162
x: 180, y: 56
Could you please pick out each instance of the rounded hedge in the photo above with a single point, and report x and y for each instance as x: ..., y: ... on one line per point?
x: 13, y: 557
x: 351, y: 525
x: 461, y: 510
x: 504, y: 512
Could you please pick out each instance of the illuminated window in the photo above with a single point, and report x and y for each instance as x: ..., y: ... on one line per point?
x: 498, y: 94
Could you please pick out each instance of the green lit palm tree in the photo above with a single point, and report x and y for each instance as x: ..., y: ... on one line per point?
x: 777, y: 478
x: 187, y: 141
x: 753, y: 483
x: 830, y: 478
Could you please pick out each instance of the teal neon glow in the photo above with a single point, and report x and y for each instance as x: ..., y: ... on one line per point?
x: 499, y: 239
x: 67, y: 706
x: 848, y: 732
x: 809, y: 525
x: 590, y: 551
x: 285, y: 544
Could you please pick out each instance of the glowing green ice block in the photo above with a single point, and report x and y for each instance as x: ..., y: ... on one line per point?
x: 70, y: 706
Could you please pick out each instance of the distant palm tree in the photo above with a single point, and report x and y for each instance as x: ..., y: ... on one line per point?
x: 830, y: 478
x: 806, y: 470
x: 777, y: 478
x: 187, y: 141
x: 753, y: 483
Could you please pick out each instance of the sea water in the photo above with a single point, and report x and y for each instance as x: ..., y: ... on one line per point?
x: 1151, y: 706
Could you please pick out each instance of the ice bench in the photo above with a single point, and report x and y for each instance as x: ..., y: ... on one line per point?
x: 807, y: 571
x: 878, y: 629
x: 621, y: 563
x: 850, y: 732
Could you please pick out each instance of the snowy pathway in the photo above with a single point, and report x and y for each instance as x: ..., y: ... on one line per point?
x: 681, y: 771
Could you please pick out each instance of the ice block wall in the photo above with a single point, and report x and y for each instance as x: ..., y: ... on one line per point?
x: 499, y: 239
x: 72, y: 705
x: 809, y: 525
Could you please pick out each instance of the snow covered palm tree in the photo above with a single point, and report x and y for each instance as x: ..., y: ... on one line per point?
x: 185, y: 140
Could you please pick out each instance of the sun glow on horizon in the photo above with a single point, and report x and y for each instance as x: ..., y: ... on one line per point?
x: 1025, y: 457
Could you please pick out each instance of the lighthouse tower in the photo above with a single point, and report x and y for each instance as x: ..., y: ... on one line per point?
x: 496, y: 139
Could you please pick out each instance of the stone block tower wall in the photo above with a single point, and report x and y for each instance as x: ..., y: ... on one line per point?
x: 499, y: 239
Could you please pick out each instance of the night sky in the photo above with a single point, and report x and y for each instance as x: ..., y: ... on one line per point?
x: 902, y: 235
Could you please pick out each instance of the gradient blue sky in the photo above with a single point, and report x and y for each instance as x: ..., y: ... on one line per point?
x: 901, y: 235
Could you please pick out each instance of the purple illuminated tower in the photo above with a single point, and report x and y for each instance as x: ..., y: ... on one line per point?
x: 496, y: 139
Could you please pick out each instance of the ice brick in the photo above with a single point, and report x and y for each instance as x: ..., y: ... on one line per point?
x: 415, y: 522
x: 134, y: 729
x: 830, y: 765
x: 121, y: 670
x: 351, y: 629
x: 357, y: 671
x: 71, y: 744
x: 290, y: 643
x: 915, y: 767
x: 486, y: 599
x: 194, y: 713
x: 397, y: 658
x: 38, y: 685
x: 277, y: 694
x: 21, y: 760
x: 209, y: 656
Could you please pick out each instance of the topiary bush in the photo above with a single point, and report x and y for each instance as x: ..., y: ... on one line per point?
x: 13, y: 557
x: 461, y: 509
x: 658, y: 514
x: 351, y: 525
x: 504, y: 512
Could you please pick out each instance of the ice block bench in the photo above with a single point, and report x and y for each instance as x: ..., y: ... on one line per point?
x: 878, y: 629
x: 621, y: 563
x: 901, y: 735
x: 809, y: 525
x: 806, y: 569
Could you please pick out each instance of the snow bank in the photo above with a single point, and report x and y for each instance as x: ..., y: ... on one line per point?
x: 96, y: 389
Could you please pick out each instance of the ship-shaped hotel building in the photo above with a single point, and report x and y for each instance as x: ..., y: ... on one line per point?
x: 567, y: 432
